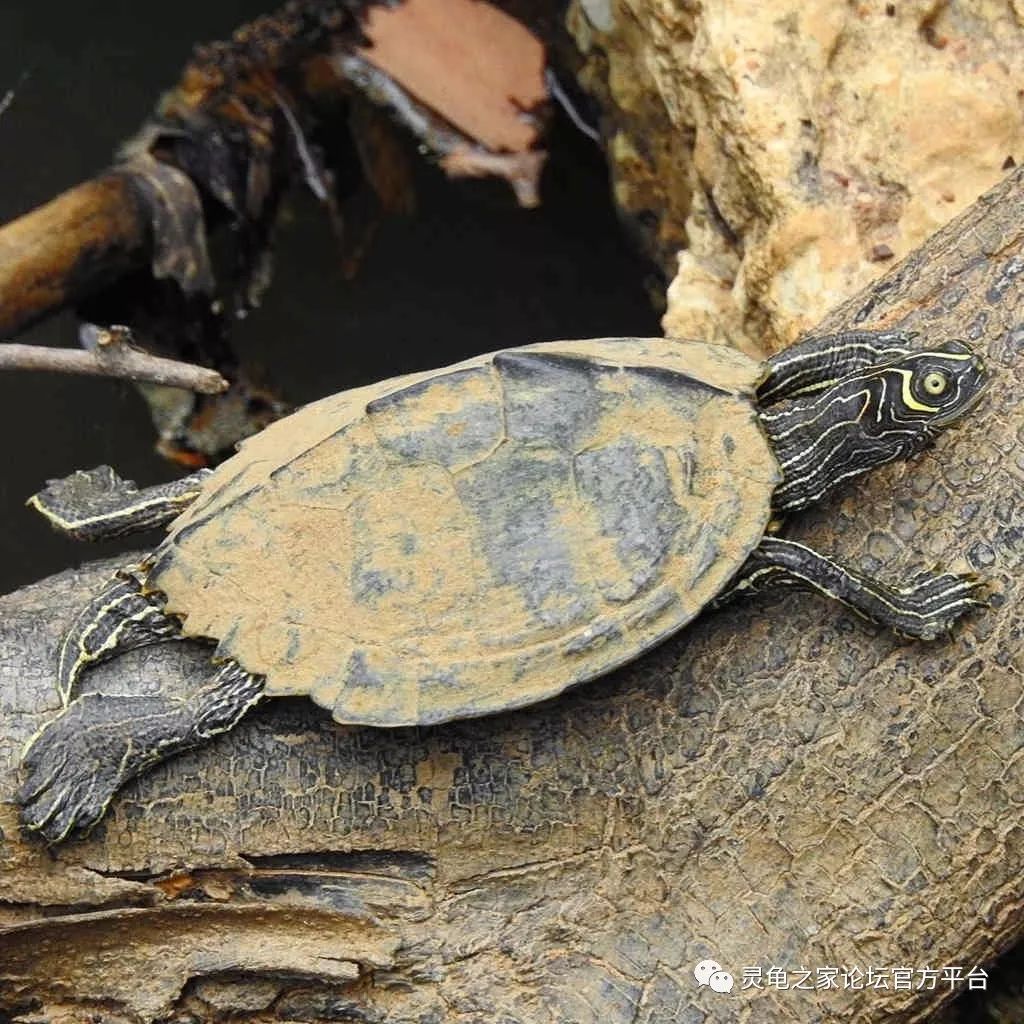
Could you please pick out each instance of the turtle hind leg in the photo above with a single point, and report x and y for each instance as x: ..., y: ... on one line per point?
x: 118, y: 619
x: 96, y: 504
x: 924, y: 608
x: 76, y: 763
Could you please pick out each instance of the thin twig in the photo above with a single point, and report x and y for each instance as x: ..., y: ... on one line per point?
x: 312, y: 171
x: 113, y: 361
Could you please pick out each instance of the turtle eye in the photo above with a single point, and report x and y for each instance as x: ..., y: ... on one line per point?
x: 935, y: 382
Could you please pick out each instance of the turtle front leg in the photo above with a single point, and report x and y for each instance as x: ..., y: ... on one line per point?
x: 925, y: 607
x: 76, y: 763
x: 119, y: 618
x: 96, y: 504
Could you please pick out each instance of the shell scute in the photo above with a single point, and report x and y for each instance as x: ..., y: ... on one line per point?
x: 550, y: 399
x: 522, y: 500
x: 629, y: 490
x: 455, y: 421
x: 480, y: 538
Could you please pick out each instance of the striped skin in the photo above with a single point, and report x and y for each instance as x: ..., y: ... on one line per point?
x: 96, y: 504
x: 924, y: 608
x: 818, y: 363
x: 867, y: 418
x: 77, y: 763
x: 120, y: 618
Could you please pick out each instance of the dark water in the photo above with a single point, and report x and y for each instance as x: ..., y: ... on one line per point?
x: 469, y: 273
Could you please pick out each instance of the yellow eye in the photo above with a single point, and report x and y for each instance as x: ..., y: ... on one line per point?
x: 935, y: 382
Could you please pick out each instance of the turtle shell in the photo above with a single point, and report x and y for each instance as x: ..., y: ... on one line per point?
x: 458, y: 542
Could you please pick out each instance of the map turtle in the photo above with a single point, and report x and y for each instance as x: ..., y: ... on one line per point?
x: 473, y: 539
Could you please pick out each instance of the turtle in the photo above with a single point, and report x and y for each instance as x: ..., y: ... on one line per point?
x: 470, y: 540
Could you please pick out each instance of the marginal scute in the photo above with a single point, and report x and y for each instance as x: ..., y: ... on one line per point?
x: 478, y: 538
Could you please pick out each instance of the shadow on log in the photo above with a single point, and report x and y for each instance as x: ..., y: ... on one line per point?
x: 779, y: 786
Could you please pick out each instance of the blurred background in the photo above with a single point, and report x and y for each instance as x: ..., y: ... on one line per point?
x: 469, y: 272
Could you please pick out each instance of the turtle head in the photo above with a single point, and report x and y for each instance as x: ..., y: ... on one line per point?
x: 875, y: 415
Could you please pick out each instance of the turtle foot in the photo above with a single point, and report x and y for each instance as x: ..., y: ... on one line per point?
x: 76, y: 763
x: 924, y: 608
x: 97, y: 504
x: 74, y: 503
x: 933, y: 602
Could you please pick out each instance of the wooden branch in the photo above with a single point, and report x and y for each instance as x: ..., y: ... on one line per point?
x: 84, y: 239
x: 119, y: 361
x: 233, y: 128
x: 146, y: 211
x: 780, y: 786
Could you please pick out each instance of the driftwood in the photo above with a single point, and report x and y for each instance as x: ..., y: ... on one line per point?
x: 780, y: 786
x: 268, y: 107
x: 223, y: 133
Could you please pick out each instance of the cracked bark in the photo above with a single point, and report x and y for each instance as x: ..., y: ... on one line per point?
x: 780, y: 785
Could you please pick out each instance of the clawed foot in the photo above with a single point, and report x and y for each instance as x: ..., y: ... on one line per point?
x: 96, y: 504
x: 74, y: 503
x: 87, y: 486
x: 933, y: 602
x: 77, y: 762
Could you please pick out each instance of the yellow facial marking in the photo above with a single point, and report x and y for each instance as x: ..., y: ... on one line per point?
x: 908, y: 395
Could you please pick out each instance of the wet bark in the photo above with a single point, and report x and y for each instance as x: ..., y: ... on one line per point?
x: 779, y: 786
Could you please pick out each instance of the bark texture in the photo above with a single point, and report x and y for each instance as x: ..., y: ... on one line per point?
x: 778, y: 786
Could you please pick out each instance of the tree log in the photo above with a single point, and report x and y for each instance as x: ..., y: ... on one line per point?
x: 781, y: 786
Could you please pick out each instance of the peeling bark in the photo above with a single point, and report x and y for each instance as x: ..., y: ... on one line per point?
x: 780, y: 785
